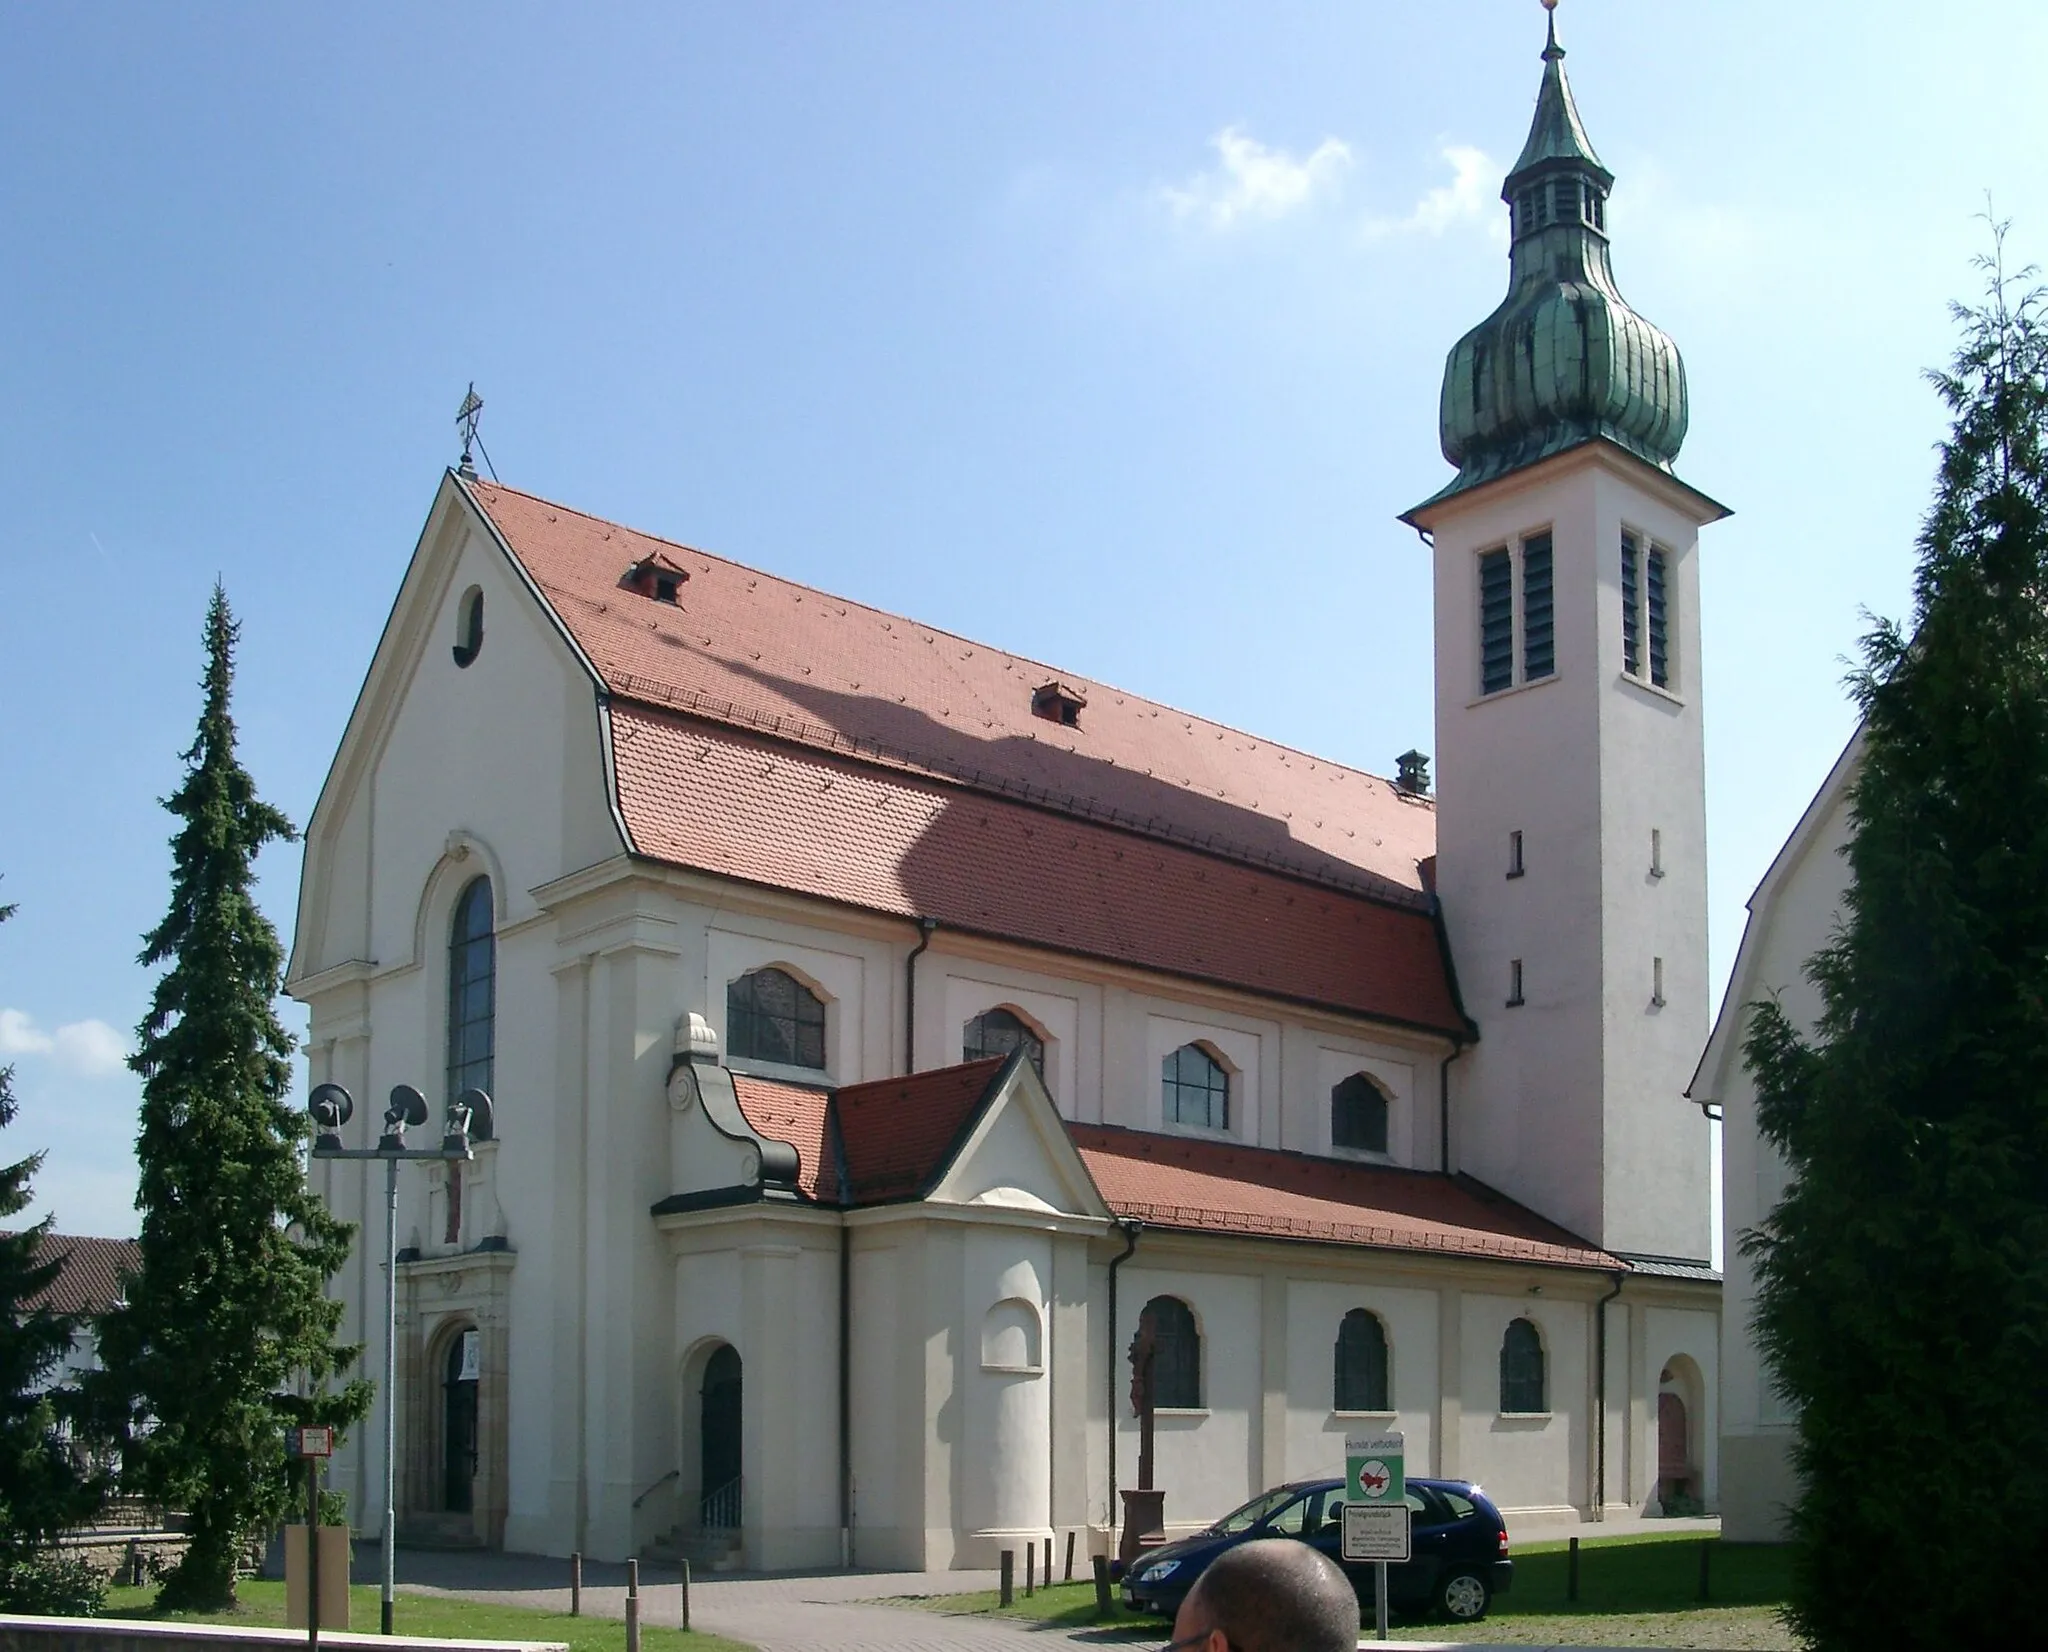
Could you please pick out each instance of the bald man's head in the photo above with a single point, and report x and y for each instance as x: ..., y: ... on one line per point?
x: 1273, y: 1595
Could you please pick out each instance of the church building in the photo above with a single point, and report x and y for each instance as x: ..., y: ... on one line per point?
x: 879, y: 1023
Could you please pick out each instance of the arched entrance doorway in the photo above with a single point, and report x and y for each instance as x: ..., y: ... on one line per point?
x: 458, y: 1423
x: 719, y: 1441
x: 1681, y: 1398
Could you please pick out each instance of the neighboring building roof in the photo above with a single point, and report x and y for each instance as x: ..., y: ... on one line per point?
x: 91, y: 1280
x: 895, y: 842
x: 755, y: 652
x: 1219, y: 1187
x: 898, y: 1134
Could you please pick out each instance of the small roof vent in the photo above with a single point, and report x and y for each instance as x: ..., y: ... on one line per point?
x: 659, y: 577
x: 1411, y: 774
x: 1058, y: 702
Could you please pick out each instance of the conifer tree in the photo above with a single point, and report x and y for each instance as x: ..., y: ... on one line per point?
x: 228, y: 1314
x: 1903, y: 1278
x: 43, y: 1490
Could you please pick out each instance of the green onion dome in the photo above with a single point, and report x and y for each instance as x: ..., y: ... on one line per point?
x: 1564, y: 360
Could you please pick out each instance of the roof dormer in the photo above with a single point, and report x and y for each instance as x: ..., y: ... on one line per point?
x: 658, y: 577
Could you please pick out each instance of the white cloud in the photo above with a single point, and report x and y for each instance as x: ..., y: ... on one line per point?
x: 89, y: 1049
x: 1252, y: 180
x: 1472, y: 195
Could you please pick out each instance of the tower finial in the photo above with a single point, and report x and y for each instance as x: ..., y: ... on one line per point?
x: 1552, y: 51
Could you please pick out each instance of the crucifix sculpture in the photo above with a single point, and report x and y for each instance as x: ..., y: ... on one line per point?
x: 1144, y: 1506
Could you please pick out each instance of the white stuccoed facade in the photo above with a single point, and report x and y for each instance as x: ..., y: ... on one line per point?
x: 1575, y: 1098
x: 1794, y: 912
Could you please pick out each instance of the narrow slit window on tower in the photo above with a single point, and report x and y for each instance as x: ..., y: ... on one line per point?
x: 1496, y: 621
x: 1657, y: 616
x: 1656, y: 853
x: 1539, y: 640
x: 1657, y: 983
x: 1514, y: 854
x: 1514, y: 982
x: 1631, y: 605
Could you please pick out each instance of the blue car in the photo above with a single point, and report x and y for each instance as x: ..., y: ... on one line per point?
x: 1458, y: 1549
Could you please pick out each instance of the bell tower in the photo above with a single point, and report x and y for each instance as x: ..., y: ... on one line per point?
x: 1571, y: 816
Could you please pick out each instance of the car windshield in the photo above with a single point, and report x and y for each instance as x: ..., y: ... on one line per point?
x: 1242, y: 1520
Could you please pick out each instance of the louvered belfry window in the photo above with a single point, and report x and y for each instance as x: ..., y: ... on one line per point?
x: 1656, y: 614
x: 1631, y: 605
x: 1539, y: 638
x: 1496, y: 621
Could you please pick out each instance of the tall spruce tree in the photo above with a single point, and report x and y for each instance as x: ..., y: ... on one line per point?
x: 228, y: 1315
x: 43, y: 1489
x: 1903, y: 1279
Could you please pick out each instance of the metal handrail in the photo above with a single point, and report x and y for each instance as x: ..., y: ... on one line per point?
x: 673, y: 1474
x: 720, y: 1508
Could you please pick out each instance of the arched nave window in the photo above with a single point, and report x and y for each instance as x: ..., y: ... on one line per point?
x: 1195, y: 1088
x: 1521, y: 1368
x: 1176, y: 1354
x: 472, y: 990
x: 1362, y: 1364
x: 998, y: 1032
x: 1358, y: 1114
x: 772, y: 1016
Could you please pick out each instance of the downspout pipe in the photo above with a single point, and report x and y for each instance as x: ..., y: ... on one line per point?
x: 925, y: 930
x: 1131, y: 1231
x: 1600, y: 1397
x: 1443, y: 1105
x: 845, y: 1350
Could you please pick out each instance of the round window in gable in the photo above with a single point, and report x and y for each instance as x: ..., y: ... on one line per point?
x: 469, y: 626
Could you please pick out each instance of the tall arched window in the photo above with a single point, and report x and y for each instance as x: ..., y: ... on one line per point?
x: 1196, y: 1088
x: 1362, y: 1364
x: 772, y: 1016
x: 472, y: 990
x: 998, y: 1032
x: 1176, y: 1354
x: 1358, y: 1115
x: 1521, y: 1368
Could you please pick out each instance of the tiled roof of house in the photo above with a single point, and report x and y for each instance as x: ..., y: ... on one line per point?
x: 900, y: 1132
x: 896, y: 842
x: 925, y: 768
x: 1219, y: 1187
x: 90, y: 1282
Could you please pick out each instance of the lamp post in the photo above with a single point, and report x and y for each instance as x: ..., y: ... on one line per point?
x: 332, y: 1107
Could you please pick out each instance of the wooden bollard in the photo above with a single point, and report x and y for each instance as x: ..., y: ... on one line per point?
x: 1571, y: 1572
x: 1047, y: 1573
x: 1069, y: 1578
x: 1706, y: 1557
x: 1030, y: 1568
x: 576, y: 1584
x: 1007, y: 1561
x: 686, y: 1594
x: 1101, y: 1565
x: 632, y: 1606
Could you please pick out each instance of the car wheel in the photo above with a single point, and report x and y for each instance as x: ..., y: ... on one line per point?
x: 1463, y: 1597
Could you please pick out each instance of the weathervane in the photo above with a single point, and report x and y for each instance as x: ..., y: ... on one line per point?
x: 466, y: 417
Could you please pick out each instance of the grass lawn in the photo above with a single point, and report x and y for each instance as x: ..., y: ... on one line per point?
x: 262, y: 1606
x: 1637, y: 1591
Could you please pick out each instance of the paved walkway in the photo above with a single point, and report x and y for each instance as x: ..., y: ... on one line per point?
x: 821, y: 1611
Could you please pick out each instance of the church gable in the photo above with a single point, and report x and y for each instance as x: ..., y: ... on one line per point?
x: 1017, y: 1154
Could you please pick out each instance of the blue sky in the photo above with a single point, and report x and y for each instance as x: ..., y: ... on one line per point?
x: 1110, y: 334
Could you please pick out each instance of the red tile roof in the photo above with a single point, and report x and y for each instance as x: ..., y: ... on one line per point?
x: 927, y: 776
x: 1219, y: 1187
x: 794, y: 1113
x: 897, y: 843
x: 745, y: 648
x: 90, y: 1282
x: 899, y: 1133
